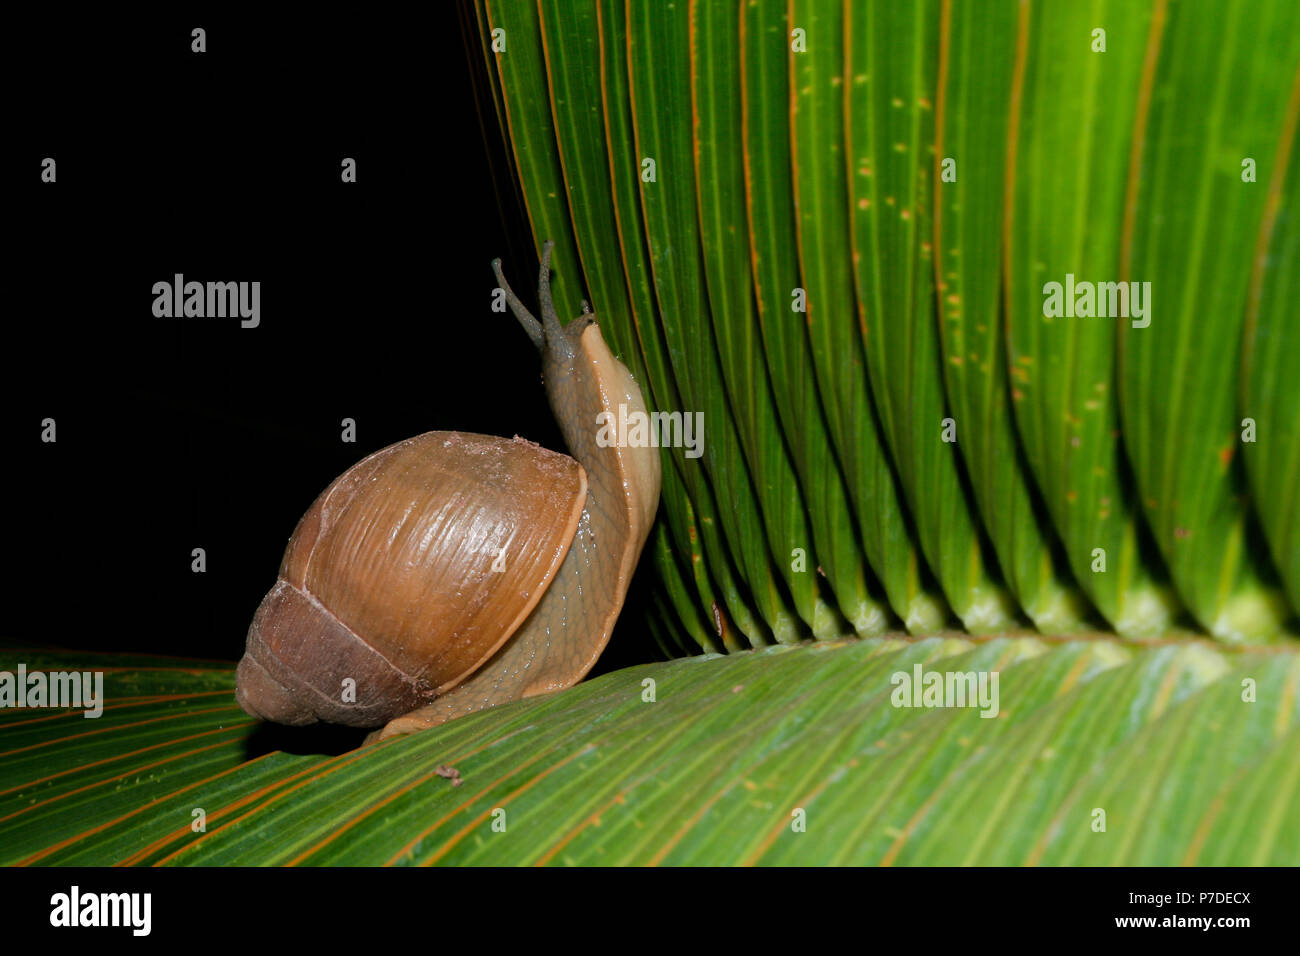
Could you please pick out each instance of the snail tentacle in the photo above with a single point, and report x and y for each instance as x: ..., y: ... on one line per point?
x: 526, y: 318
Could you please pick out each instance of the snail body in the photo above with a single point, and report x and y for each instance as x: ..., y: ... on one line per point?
x: 452, y: 572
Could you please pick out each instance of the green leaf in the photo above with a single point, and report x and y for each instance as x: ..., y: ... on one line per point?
x: 1271, y: 355
x: 549, y: 198
x: 731, y: 612
x: 1161, y: 737
x: 886, y: 88
x: 821, y: 197
x: 572, y: 56
x: 1070, y: 166
x: 168, y: 726
x: 977, y: 57
x: 724, y: 235
x: 520, y: 71
x: 1218, y: 96
x: 774, y: 252
x: 1077, y: 142
x: 660, y: 94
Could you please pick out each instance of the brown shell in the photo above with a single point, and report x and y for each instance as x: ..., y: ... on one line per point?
x: 389, y: 577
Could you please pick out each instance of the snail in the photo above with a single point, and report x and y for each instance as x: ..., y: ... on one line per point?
x: 452, y: 572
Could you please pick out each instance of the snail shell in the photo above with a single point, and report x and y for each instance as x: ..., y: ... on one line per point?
x: 389, y: 577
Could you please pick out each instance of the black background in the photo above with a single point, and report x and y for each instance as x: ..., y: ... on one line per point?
x: 175, y: 434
